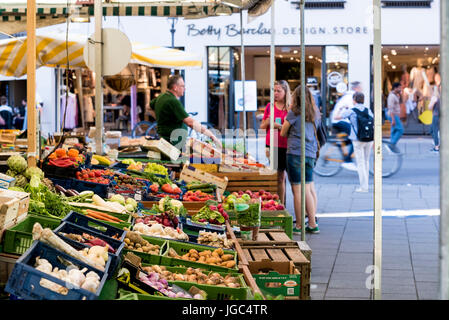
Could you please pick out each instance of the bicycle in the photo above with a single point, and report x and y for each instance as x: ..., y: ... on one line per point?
x: 332, y: 156
x: 147, y: 128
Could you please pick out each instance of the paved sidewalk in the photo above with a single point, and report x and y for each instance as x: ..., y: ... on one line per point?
x: 343, y: 251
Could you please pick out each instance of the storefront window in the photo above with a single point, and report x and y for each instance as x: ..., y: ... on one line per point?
x: 219, y: 73
x: 336, y: 58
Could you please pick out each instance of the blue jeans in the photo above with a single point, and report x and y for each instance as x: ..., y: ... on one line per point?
x: 397, y: 130
x: 435, y: 129
x: 294, y: 169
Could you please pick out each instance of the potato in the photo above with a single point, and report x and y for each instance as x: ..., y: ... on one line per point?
x: 127, y: 241
x: 230, y: 264
x: 219, y: 251
x: 205, y: 253
x: 139, y: 249
x: 138, y: 245
x: 193, y: 251
x: 227, y: 257
x: 202, y: 259
x: 192, y: 259
x: 215, y: 254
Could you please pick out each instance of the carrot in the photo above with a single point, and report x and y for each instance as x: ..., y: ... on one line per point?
x: 105, y: 215
x: 94, y: 216
x: 99, y: 216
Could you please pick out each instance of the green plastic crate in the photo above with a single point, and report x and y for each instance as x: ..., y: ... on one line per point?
x: 150, y: 258
x: 279, y: 220
x: 19, y: 238
x: 183, y: 248
x: 238, y: 293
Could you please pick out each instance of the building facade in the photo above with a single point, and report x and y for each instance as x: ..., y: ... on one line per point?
x: 338, y: 42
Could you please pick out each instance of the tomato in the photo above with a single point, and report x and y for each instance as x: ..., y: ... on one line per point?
x: 85, y: 176
x: 98, y: 174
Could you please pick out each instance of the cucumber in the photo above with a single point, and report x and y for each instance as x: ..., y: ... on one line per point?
x: 201, y: 186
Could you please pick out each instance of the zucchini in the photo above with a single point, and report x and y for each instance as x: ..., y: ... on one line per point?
x: 207, y: 190
x: 201, y: 186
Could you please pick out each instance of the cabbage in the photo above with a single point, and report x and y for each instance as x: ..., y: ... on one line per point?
x: 118, y: 198
x: 33, y: 171
x: 129, y: 207
x: 21, y: 181
x: 132, y: 202
x: 17, y: 163
x: 11, y: 173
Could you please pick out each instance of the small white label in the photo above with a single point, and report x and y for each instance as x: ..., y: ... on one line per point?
x: 290, y: 291
x: 138, y: 197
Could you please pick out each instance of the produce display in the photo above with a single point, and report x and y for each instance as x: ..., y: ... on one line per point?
x: 197, y: 196
x: 124, y: 181
x: 216, y: 257
x: 96, y: 258
x: 167, y: 219
x: 158, y: 230
x: 152, y: 167
x: 89, y: 240
x: 18, y: 169
x: 75, y: 277
x: 101, y: 160
x: 214, y: 239
x: 161, y: 285
x: 94, y: 175
x: 64, y: 159
x: 195, y: 275
x: 134, y: 241
x: 203, y: 187
x: 211, y: 214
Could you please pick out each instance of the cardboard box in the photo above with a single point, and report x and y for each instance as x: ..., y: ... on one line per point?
x: 276, y: 277
x: 13, y: 204
x: 6, y: 181
x: 154, y: 155
x: 163, y: 146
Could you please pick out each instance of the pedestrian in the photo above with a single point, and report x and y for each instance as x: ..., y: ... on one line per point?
x: 362, y: 136
x: 343, y: 125
x: 6, y: 113
x: 282, y: 99
x: 394, y: 110
x: 292, y: 130
x: 434, y: 105
x: 172, y: 119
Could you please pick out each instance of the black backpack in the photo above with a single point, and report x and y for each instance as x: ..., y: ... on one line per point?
x: 365, y: 125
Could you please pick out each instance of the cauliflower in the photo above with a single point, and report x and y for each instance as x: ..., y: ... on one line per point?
x: 17, y: 163
x: 33, y: 171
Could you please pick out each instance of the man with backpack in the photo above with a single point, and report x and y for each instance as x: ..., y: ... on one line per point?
x: 362, y: 136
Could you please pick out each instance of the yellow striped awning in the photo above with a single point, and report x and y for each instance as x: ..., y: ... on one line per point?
x: 52, y: 50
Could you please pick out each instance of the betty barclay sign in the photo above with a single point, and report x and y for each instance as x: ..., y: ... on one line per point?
x: 233, y: 30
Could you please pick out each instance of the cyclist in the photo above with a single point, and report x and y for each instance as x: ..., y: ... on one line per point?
x: 343, y: 125
x: 172, y: 119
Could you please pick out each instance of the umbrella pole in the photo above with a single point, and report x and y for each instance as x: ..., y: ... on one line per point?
x: 32, y: 155
x: 242, y: 69
x: 98, y: 79
x: 272, y: 79
x: 303, y: 127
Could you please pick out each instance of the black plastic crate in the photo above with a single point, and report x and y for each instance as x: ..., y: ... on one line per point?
x: 117, y: 245
x: 24, y: 281
x: 98, y: 188
x: 94, y: 225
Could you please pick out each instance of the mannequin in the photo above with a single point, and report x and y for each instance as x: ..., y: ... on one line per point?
x: 71, y: 113
x: 416, y: 75
x: 405, y: 78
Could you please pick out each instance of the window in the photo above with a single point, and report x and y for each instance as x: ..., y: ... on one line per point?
x: 406, y: 4
x: 321, y: 4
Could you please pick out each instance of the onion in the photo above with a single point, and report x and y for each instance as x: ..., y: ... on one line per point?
x: 164, y: 282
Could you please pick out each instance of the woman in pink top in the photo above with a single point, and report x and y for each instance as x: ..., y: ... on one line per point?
x: 282, y: 98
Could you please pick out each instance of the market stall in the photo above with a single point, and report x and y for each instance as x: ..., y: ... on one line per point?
x: 99, y: 221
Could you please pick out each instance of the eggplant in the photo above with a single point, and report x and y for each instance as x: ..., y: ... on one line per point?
x: 60, y: 189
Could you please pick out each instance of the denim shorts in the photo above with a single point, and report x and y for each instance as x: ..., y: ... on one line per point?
x: 294, y: 168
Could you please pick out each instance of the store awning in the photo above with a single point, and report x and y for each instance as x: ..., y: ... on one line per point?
x: 15, y: 10
x: 52, y: 50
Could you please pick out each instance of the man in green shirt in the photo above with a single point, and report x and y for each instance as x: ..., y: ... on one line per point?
x: 172, y: 119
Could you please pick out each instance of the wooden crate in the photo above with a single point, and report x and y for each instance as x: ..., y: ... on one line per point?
x: 253, y: 181
x: 164, y: 147
x: 190, y: 174
x: 277, y: 246
x: 7, y: 262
